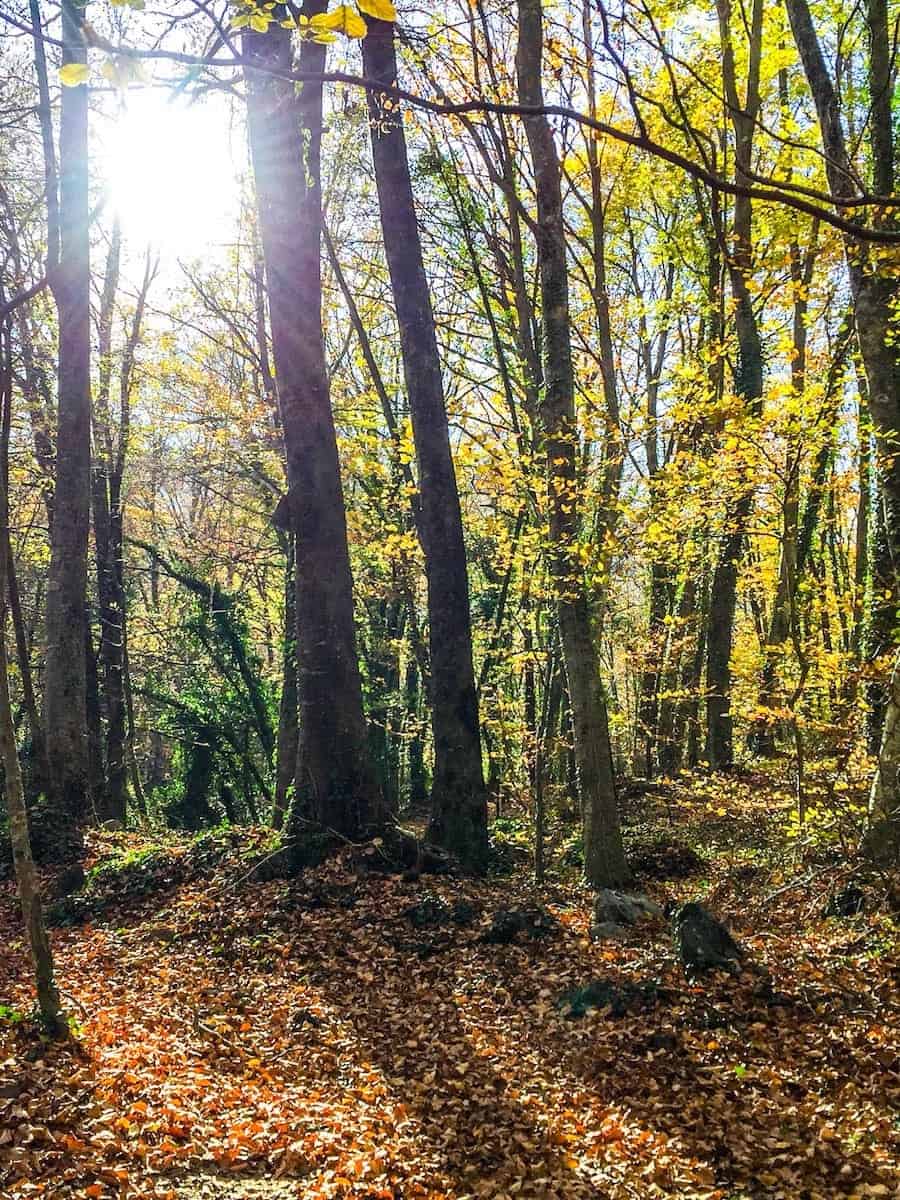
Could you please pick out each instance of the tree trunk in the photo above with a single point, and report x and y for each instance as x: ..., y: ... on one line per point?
x: 335, y: 783
x: 288, y: 732
x: 874, y: 297
x: 416, y: 775
x: 458, y: 799
x: 110, y: 801
x: 26, y: 877
x: 604, y: 857
x: 788, y: 574
x: 65, y: 714
x: 748, y: 384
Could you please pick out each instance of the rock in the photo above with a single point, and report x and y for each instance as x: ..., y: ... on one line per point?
x: 463, y: 913
x: 663, y: 858
x: 619, y: 998
x: 703, y: 942
x: 275, y: 865
x: 504, y: 856
x: 608, y: 931
x: 534, y: 923
x: 848, y: 902
x: 664, y: 1040
x: 429, y: 912
x: 162, y: 933
x: 304, y: 1016
x: 68, y: 881
x: 624, y: 908
x: 765, y: 992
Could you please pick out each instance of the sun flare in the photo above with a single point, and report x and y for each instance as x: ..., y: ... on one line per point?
x: 171, y: 169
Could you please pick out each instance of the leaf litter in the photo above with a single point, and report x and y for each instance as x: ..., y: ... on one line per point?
x: 308, y: 1038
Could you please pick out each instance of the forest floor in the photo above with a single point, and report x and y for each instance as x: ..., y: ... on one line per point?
x: 320, y: 1037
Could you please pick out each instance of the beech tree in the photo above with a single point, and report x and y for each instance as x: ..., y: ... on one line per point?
x: 572, y: 410
x: 65, y: 697
x: 335, y: 782
x: 604, y: 859
x: 458, y: 800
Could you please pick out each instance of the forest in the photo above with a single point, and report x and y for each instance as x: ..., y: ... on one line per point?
x: 450, y: 591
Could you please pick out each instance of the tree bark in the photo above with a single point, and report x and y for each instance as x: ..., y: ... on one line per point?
x: 288, y: 731
x: 874, y: 297
x: 748, y: 384
x: 65, y: 713
x: 604, y: 857
x: 335, y: 782
x: 458, y: 798
x: 26, y: 876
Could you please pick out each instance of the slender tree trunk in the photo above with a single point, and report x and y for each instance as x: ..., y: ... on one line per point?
x: 748, y: 384
x: 94, y: 726
x: 604, y: 857
x: 110, y: 799
x: 65, y: 712
x: 417, y: 783
x: 335, y: 782
x: 26, y: 876
x: 39, y: 771
x: 874, y: 296
x: 458, y: 799
x: 288, y: 731
x: 863, y: 509
x: 788, y: 576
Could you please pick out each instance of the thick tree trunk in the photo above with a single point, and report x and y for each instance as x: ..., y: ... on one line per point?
x: 65, y: 714
x: 335, y: 783
x: 604, y: 858
x: 458, y: 798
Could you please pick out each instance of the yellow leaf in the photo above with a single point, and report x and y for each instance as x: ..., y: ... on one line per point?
x: 344, y: 19
x: 73, y: 74
x: 260, y: 22
x: 383, y: 10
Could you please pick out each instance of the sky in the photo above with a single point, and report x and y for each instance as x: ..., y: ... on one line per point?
x: 172, y: 169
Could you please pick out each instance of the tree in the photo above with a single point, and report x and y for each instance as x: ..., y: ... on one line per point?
x: 65, y: 695
x: 604, y: 858
x: 458, y: 799
x: 874, y: 295
x: 26, y: 876
x: 335, y: 782
x: 748, y: 383
x: 111, y: 439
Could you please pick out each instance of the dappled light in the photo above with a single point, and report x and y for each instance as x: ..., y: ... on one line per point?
x: 449, y: 542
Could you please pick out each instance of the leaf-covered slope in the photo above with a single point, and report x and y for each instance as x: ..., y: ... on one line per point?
x: 316, y: 1039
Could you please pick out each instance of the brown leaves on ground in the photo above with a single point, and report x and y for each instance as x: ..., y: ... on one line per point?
x: 304, y: 1039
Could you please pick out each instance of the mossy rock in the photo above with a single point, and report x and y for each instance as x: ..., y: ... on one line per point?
x: 621, y: 999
